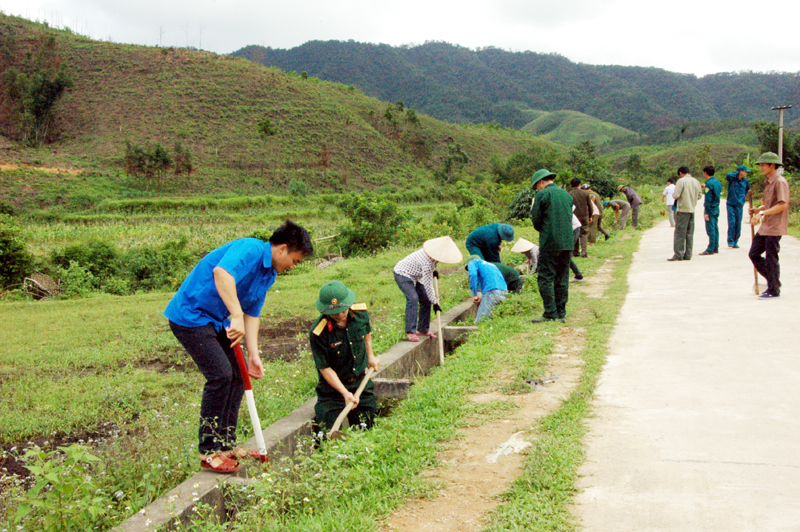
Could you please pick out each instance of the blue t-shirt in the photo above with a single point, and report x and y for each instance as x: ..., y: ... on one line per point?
x: 484, y: 277
x: 197, y: 302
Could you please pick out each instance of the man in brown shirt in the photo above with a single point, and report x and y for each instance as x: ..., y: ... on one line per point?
x: 583, y: 211
x: 773, y: 214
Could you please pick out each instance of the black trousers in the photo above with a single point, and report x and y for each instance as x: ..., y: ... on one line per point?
x: 768, y: 265
x: 224, y: 388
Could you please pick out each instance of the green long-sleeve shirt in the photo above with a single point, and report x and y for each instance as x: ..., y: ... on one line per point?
x: 552, y: 217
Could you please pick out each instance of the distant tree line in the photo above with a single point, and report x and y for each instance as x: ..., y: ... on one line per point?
x: 152, y: 161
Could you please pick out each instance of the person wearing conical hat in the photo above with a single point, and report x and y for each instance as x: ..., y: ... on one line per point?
x: 414, y: 276
x: 773, y: 215
x: 530, y: 251
x: 341, y: 344
x: 485, y: 241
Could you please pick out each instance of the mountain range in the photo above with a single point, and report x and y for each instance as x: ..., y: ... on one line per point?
x: 461, y: 85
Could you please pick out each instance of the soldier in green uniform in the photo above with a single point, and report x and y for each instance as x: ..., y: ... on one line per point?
x: 341, y: 343
x: 552, y: 217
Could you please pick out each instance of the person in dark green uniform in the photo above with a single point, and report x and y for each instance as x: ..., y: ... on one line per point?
x: 552, y: 217
x: 485, y: 241
x: 341, y: 344
x: 712, y: 190
x: 511, y: 276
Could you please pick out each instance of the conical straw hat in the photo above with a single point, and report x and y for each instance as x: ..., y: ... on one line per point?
x: 522, y: 246
x: 443, y: 249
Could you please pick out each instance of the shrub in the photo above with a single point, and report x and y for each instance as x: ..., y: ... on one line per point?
x: 373, y: 223
x: 15, y: 261
x: 150, y: 268
x: 76, y: 280
x: 98, y: 257
x: 298, y: 187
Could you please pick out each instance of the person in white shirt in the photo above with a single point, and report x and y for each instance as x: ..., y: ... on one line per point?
x: 669, y: 200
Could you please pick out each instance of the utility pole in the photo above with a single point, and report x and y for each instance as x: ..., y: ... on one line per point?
x: 780, y: 128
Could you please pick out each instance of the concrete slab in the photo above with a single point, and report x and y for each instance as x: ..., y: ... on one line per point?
x: 697, y: 413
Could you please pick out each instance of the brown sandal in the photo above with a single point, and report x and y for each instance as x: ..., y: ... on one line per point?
x: 237, y: 453
x: 219, y: 462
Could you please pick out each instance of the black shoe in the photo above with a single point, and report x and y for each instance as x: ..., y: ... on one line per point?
x: 607, y: 237
x: 542, y: 320
x: 707, y: 252
x: 674, y: 259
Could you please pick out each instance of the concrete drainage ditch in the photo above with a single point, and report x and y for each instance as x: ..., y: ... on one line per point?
x: 401, y: 364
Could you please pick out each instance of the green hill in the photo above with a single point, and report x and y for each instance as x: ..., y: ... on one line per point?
x: 492, y: 85
x: 572, y: 127
x: 329, y: 136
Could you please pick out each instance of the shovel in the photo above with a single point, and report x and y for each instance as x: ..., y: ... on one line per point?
x: 439, y: 322
x: 251, y: 405
x: 334, y: 434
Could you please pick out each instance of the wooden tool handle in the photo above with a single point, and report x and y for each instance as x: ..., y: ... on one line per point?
x: 349, y: 406
x: 439, y: 323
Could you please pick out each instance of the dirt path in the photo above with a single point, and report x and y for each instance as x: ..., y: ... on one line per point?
x: 4, y: 167
x: 486, y: 459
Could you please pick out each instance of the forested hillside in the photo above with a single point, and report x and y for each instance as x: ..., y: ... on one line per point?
x: 492, y: 85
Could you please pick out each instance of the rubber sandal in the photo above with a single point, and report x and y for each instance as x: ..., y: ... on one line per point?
x: 219, y: 463
x: 238, y: 453
x: 430, y: 334
x: 413, y: 337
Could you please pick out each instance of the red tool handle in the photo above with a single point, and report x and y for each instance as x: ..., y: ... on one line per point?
x: 242, y: 367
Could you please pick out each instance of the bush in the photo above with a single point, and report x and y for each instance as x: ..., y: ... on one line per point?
x: 151, y: 268
x: 98, y: 257
x: 298, y: 187
x: 76, y: 280
x: 15, y: 261
x: 373, y: 223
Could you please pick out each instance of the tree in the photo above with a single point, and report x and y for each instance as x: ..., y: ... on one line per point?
x: 523, y: 164
x: 585, y: 163
x: 373, y: 223
x: 34, y: 91
x: 183, y: 160
x: 265, y: 130
x: 456, y: 159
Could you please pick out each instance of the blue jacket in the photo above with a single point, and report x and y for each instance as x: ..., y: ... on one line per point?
x: 484, y: 277
x: 713, y: 193
x: 737, y: 190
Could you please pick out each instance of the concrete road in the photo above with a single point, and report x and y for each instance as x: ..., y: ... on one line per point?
x: 697, y: 413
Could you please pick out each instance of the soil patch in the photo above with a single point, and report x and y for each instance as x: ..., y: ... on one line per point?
x: 46, y: 169
x: 12, y: 467
x: 595, y: 286
x: 483, y: 463
x: 283, y: 340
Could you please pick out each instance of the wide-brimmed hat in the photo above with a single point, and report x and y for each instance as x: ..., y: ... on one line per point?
x: 541, y: 174
x: 506, y: 232
x: 522, y: 246
x: 621, y: 188
x: 443, y: 249
x: 742, y: 168
x: 586, y: 186
x: 769, y: 157
x: 335, y: 297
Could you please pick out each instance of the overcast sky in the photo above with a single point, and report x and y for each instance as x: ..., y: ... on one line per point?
x: 690, y: 36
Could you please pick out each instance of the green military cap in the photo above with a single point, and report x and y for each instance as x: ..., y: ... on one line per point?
x: 769, y: 157
x: 335, y: 297
x: 539, y: 175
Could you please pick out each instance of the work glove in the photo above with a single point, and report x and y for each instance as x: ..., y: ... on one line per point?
x: 436, y: 273
x: 436, y: 307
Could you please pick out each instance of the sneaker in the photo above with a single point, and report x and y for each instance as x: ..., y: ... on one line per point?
x: 707, y: 252
x: 735, y: 246
x: 542, y: 320
x: 767, y: 295
x: 584, y: 256
x: 674, y: 259
x: 577, y: 279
